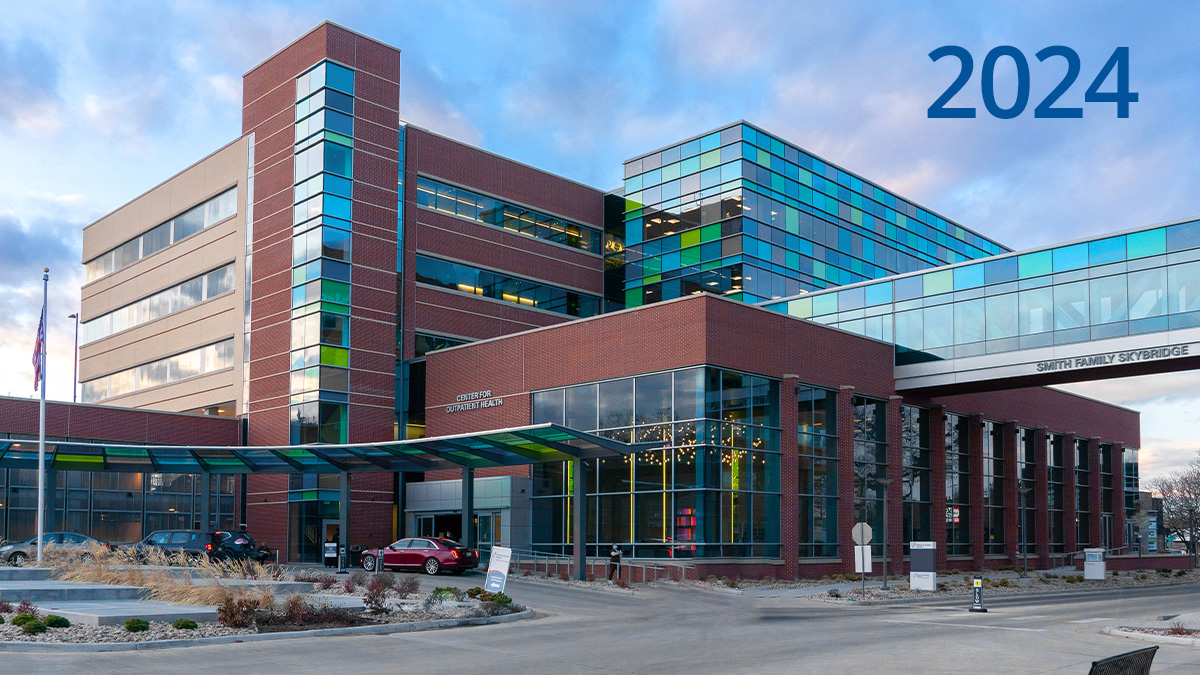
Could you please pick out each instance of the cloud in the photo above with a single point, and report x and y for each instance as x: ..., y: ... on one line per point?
x: 29, y: 78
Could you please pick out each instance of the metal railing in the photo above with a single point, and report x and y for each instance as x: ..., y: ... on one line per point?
x: 633, y: 570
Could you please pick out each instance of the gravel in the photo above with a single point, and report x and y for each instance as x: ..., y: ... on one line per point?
x: 954, y: 586
x: 82, y: 633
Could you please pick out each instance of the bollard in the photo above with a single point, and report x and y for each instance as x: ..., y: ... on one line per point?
x: 977, y: 597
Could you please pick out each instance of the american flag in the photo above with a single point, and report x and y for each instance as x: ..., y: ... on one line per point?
x: 39, y: 348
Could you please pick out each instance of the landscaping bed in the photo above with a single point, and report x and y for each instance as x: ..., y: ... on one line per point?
x: 962, y: 585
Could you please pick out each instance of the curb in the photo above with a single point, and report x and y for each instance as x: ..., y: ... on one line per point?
x: 566, y: 584
x: 1146, y: 637
x: 1050, y: 595
x: 387, y: 629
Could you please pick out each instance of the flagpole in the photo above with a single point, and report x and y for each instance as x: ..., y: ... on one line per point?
x: 41, y: 512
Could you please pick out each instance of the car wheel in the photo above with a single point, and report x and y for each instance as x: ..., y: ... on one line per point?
x: 18, y: 559
x: 368, y: 563
x: 432, y: 566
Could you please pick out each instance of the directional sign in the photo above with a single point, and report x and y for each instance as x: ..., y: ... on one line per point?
x: 861, y: 534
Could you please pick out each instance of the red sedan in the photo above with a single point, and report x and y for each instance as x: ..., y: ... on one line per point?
x: 430, y: 555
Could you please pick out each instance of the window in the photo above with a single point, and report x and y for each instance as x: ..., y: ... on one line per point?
x: 208, y: 359
x: 174, y: 299
x: 818, y: 465
x: 993, y: 488
x: 1026, y: 475
x: 958, y: 498
x: 870, y: 462
x: 499, y: 286
x: 918, y: 475
x: 1083, y: 494
x: 1057, y: 492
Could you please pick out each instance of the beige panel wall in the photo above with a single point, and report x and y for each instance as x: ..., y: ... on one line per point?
x: 211, y: 321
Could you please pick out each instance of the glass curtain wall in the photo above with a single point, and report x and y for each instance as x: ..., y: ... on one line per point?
x: 1083, y: 489
x: 712, y: 491
x: 958, y: 496
x: 1132, y: 481
x: 321, y: 254
x: 993, y: 488
x: 870, y: 462
x: 817, y: 445
x: 1106, y: 495
x: 1026, y: 473
x: 918, y: 474
x: 1057, y: 493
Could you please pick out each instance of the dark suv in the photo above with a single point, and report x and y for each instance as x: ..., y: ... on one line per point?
x: 215, y: 544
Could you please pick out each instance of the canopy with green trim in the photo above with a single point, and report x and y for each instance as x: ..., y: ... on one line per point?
x: 501, y: 447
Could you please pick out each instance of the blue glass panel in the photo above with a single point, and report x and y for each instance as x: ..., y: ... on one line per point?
x: 1000, y: 271
x: 852, y: 298
x: 879, y: 294
x: 1106, y: 251
x: 909, y: 288
x: 1183, y: 236
x: 970, y: 276
x: 339, y: 77
x: 1070, y: 257
x: 710, y: 142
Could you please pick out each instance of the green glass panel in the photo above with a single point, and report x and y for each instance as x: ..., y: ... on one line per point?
x: 855, y: 216
x: 806, y: 178
x: 710, y: 232
x: 652, y: 279
x: 335, y: 356
x: 689, y: 238
x: 60, y: 459
x: 652, y: 265
x: 298, y: 275
x: 824, y: 304
x: 126, y: 452
x: 710, y: 159
x: 1150, y: 242
x: 670, y: 172
x: 710, y: 265
x: 690, y: 165
x: 344, y: 140
x: 1035, y: 264
x: 793, y: 220
x: 938, y: 282
x: 335, y: 291
x: 336, y: 308
x: 802, y: 308
x: 764, y: 158
x: 689, y: 256
x: 631, y: 204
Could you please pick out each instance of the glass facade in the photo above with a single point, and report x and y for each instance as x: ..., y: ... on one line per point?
x: 994, y: 465
x: 174, y: 299
x: 192, y: 363
x: 463, y: 203
x: 817, y: 445
x: 1140, y: 282
x: 322, y: 213
x: 918, y: 474
x: 741, y: 213
x: 177, y: 229
x: 713, y: 492
x: 506, y: 287
x: 114, y: 507
x: 870, y: 463
x: 958, y: 485
x: 1057, y: 492
x: 1027, y: 475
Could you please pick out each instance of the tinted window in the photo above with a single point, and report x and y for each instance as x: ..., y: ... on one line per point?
x: 159, y: 538
x: 73, y: 538
x: 181, y: 537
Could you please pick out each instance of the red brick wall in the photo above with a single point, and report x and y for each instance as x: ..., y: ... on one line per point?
x: 107, y: 423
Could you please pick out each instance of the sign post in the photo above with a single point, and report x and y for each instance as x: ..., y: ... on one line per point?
x: 922, y: 568
x: 977, y: 598
x: 862, y: 553
x: 497, y: 574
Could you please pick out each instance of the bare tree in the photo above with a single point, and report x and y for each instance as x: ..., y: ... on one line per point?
x: 1180, y: 494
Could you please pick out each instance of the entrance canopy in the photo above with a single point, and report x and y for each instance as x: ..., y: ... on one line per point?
x: 502, y: 447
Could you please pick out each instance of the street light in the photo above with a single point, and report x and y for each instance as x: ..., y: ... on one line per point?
x: 885, y: 482
x: 1024, y: 489
x: 75, y: 382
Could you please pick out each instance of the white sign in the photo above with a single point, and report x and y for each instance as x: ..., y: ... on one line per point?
x: 922, y: 575
x: 862, y: 559
x: 497, y: 573
x: 331, y: 549
x: 1152, y: 531
x: 475, y: 400
x: 922, y: 581
x: 1093, y: 564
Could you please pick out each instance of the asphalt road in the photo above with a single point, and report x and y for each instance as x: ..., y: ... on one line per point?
x: 687, y: 630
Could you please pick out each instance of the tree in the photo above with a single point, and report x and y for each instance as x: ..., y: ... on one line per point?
x: 1180, y: 494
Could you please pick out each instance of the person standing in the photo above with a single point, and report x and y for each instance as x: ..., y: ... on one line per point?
x: 614, y: 562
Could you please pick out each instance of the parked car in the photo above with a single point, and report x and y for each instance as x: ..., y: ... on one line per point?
x: 428, y: 554
x: 17, y: 553
x: 241, y: 545
x: 193, y: 544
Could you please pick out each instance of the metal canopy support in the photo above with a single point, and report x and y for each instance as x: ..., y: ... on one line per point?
x: 51, y: 522
x: 205, y: 498
x: 343, y: 521
x: 579, y: 519
x: 468, y: 507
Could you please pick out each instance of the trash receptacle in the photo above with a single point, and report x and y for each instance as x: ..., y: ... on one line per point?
x: 355, y: 556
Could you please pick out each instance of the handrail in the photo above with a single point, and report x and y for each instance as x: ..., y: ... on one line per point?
x: 634, y: 570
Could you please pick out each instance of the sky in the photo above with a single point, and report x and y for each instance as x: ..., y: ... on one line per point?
x: 101, y: 101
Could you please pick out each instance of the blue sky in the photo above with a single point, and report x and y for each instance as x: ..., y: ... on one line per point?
x: 104, y: 100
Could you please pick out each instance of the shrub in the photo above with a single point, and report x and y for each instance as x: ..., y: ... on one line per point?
x: 26, y: 607
x: 444, y: 593
x: 563, y: 576
x: 387, y: 578
x: 23, y: 618
x: 184, y: 624
x: 348, y: 585
x: 375, y: 599
x: 1177, y: 628
x: 475, y: 592
x: 136, y: 625
x: 34, y: 627
x: 56, y: 621
x: 1181, y: 573
x: 236, y: 612
x: 1164, y: 571
x: 360, y: 577
x: 835, y: 593
x: 326, y: 582
x: 1142, y: 577
x: 408, y: 584
x: 306, y: 576
x: 620, y: 583
x: 6, y: 607
x: 297, y: 610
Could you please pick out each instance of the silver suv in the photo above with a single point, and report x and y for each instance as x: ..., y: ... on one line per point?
x: 17, y: 553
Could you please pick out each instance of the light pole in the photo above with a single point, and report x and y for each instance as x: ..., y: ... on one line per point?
x: 885, y: 482
x: 1024, y: 489
x: 75, y: 381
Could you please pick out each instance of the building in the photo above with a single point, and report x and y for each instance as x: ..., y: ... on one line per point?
x: 338, y: 276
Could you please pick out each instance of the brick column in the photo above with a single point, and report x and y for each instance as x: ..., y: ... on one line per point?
x: 895, y: 471
x: 789, y: 467
x: 1095, y: 503
x: 1012, y: 496
x: 975, y: 496
x: 845, y: 422
x: 1118, y: 495
x: 1041, y: 498
x: 937, y: 491
x: 1070, y: 541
